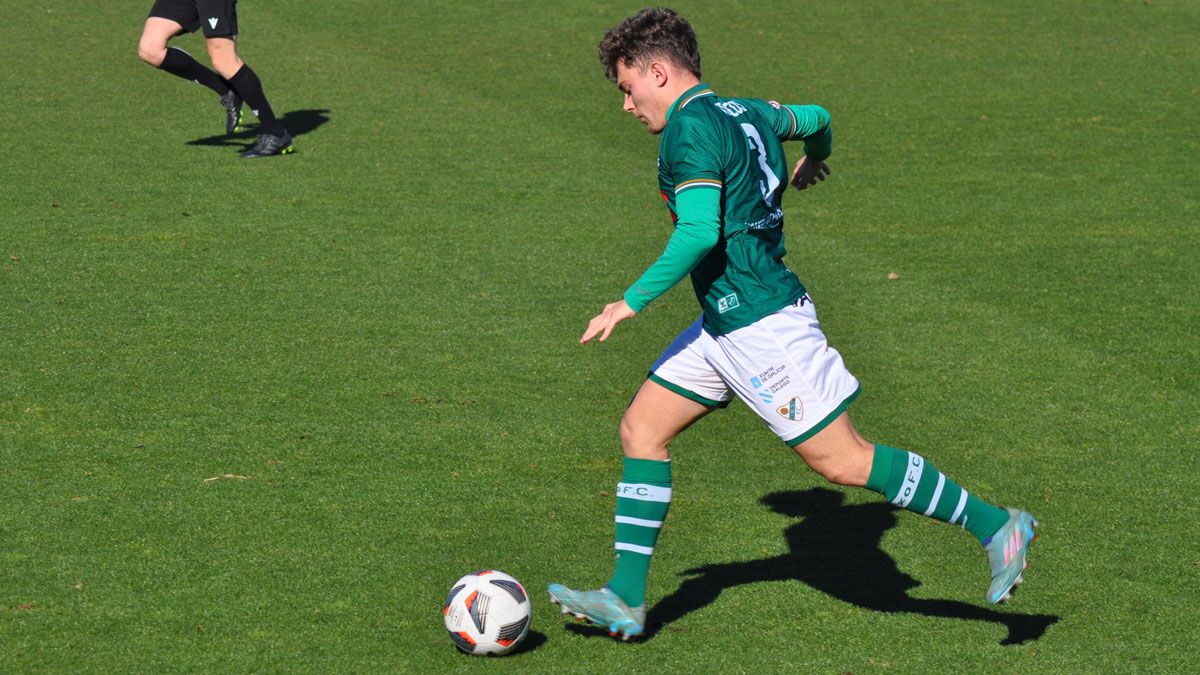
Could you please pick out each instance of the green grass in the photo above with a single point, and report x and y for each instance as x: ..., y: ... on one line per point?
x: 376, y: 337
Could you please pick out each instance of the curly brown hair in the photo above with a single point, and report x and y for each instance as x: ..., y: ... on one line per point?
x: 652, y: 32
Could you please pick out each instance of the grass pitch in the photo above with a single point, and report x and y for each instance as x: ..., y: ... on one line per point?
x: 257, y: 416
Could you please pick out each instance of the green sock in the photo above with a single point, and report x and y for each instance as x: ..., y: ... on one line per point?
x: 643, y: 496
x: 908, y: 481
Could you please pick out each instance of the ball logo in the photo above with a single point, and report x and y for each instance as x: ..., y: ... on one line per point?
x: 793, y: 410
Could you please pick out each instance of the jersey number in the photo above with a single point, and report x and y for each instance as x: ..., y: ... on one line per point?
x: 771, y: 182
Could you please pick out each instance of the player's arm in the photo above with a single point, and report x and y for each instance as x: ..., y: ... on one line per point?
x: 812, y: 126
x: 687, y: 147
x: 808, y: 123
x: 696, y: 233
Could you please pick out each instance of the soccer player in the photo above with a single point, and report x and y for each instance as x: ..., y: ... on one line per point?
x: 721, y: 172
x: 233, y: 81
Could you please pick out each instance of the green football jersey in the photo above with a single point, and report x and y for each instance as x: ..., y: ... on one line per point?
x: 734, y: 145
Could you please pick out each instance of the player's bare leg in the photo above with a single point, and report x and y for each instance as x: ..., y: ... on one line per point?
x: 655, y: 417
x: 839, y: 453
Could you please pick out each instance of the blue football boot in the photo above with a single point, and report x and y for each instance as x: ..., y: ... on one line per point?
x: 602, y: 608
x: 1006, y: 551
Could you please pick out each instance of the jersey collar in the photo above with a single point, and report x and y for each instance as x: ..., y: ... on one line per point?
x: 699, y: 91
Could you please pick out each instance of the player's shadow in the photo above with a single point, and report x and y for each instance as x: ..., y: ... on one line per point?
x: 836, y: 550
x: 297, y: 122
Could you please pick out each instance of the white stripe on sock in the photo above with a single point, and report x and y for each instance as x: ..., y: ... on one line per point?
x: 912, y: 477
x: 644, y: 550
x: 643, y: 492
x: 641, y: 522
x: 937, y: 492
x: 962, y: 502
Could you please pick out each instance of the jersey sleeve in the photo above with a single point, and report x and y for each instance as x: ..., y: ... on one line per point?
x: 696, y: 233
x: 689, y: 151
x: 809, y: 123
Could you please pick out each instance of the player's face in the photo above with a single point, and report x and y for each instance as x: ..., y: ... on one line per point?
x: 643, y: 96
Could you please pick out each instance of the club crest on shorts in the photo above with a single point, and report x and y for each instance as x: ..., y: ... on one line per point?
x: 793, y: 410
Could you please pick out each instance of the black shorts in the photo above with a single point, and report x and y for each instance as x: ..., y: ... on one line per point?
x: 218, y: 18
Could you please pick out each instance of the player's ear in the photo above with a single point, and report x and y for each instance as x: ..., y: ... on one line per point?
x: 659, y: 71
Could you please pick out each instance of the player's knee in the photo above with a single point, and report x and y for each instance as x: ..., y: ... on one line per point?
x: 630, y: 436
x: 638, y: 441
x: 152, y: 53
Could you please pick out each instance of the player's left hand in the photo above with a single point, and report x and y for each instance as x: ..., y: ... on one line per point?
x: 603, y: 323
x: 808, y: 172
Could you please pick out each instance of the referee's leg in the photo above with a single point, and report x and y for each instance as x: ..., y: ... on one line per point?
x: 152, y: 47
x: 244, y: 81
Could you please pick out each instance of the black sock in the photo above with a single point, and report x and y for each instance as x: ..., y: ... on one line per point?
x: 248, y: 86
x: 179, y: 62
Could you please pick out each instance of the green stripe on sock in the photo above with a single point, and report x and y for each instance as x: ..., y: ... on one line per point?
x: 638, y: 509
x: 926, y: 488
x: 881, y: 469
x: 951, y: 494
x: 652, y: 471
x: 982, y: 518
x: 634, y: 534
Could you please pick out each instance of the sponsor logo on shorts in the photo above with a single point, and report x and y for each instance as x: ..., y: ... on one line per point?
x: 794, y: 410
x: 212, y: 22
x: 727, y: 303
x: 769, y: 374
x: 770, y: 382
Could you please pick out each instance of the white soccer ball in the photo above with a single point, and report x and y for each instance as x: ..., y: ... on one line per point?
x: 487, y: 613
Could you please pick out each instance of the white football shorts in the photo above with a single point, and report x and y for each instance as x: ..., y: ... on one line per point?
x: 780, y: 365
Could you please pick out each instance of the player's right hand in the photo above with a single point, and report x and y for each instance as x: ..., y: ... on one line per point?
x: 808, y: 172
x: 603, y: 323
